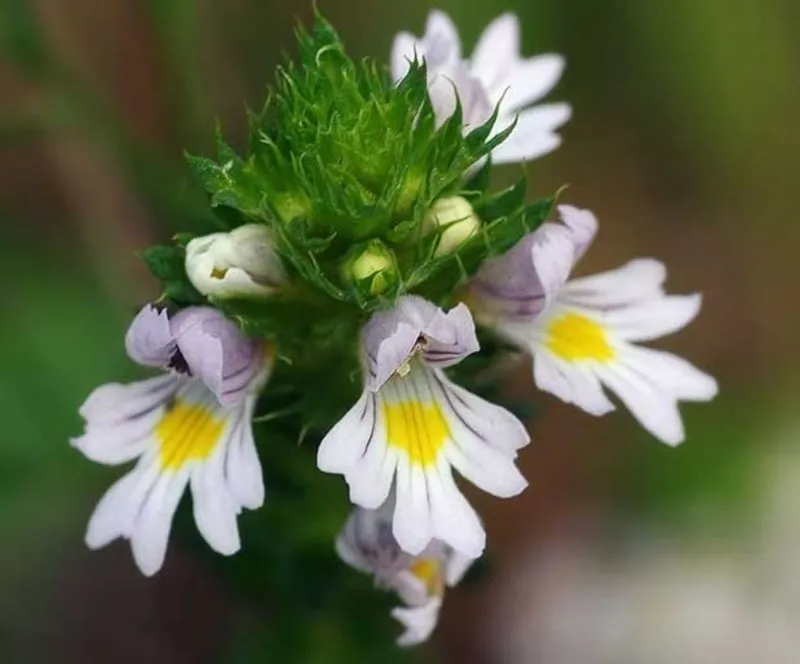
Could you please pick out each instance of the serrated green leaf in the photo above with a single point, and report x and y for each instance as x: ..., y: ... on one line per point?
x: 503, y: 203
x: 166, y: 263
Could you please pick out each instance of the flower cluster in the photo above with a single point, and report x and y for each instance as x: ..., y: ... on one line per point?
x: 366, y: 263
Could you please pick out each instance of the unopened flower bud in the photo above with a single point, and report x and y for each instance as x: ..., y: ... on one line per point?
x: 459, y: 221
x: 242, y: 263
x: 373, y: 265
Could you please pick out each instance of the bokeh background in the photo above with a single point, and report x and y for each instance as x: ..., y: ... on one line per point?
x: 685, y: 143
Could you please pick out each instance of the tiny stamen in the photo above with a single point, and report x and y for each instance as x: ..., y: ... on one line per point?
x: 420, y: 345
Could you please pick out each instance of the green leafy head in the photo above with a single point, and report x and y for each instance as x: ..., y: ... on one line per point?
x: 347, y: 169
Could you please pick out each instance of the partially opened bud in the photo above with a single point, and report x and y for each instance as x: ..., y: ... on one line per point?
x: 459, y: 221
x: 372, y: 268
x: 242, y: 263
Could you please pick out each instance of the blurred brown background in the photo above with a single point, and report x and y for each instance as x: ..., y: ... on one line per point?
x: 683, y: 141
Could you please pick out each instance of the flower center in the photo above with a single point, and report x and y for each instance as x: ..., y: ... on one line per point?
x: 574, y: 337
x: 187, y: 431
x: 414, y: 421
x: 429, y: 571
x: 404, y: 369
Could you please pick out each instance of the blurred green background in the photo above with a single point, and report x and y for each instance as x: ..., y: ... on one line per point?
x: 683, y: 141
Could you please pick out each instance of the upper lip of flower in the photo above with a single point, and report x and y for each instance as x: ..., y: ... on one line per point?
x: 201, y: 342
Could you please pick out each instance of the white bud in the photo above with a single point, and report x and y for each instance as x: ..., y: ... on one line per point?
x: 242, y: 263
x: 457, y: 217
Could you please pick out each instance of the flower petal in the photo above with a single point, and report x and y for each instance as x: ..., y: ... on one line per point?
x: 242, y: 263
x: 121, y: 418
x: 456, y: 567
x: 637, y: 280
x: 411, y: 589
x: 570, y: 382
x: 455, y: 522
x: 486, y: 467
x: 118, y: 443
x: 388, y: 340
x: 366, y: 543
x: 653, y: 319
x: 497, y: 53
x: 348, y: 550
x: 656, y: 410
x: 455, y: 83
x: 526, y: 147
x: 451, y: 337
x: 673, y: 374
x: 370, y: 480
x: 553, y: 255
x: 235, y: 283
x: 533, y: 136
x: 345, y: 444
x: 245, y: 478
x: 412, y: 525
x: 442, y: 43
x: 530, y: 80
x: 419, y: 622
x: 508, y: 285
x: 582, y: 225
x: 488, y: 422
x: 150, y: 532
x: 217, y: 352
x: 215, y: 509
x: 526, y: 279
x: 253, y: 254
x: 149, y: 339
x: 390, y: 337
x: 114, y: 403
x: 116, y: 512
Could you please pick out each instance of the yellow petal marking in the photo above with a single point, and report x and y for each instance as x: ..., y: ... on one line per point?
x: 429, y: 571
x: 419, y: 429
x: 187, y: 431
x: 574, y: 337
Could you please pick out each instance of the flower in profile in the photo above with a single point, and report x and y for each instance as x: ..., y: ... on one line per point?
x: 367, y: 544
x: 495, y: 77
x: 412, y: 425
x: 242, y: 263
x: 582, y: 333
x: 191, y: 426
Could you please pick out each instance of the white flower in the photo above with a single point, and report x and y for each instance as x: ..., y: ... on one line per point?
x: 366, y: 543
x: 459, y: 220
x: 495, y: 75
x: 184, y: 428
x: 581, y: 333
x: 242, y: 263
x: 412, y: 425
